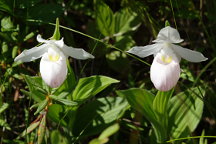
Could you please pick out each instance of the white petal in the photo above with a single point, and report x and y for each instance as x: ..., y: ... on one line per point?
x: 32, y: 54
x: 164, y: 76
x: 53, y: 72
x: 41, y: 40
x: 144, y: 51
x: 190, y: 55
x: 77, y: 53
x: 168, y: 34
x: 59, y: 43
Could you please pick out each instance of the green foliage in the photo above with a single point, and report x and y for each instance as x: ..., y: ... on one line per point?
x: 90, y: 86
x: 103, y: 138
x: 176, y: 119
x: 98, y: 114
x: 185, y: 112
x: 84, y: 108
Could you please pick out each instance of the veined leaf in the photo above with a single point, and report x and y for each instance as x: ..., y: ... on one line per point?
x: 160, y: 107
x: 185, y: 112
x: 41, y: 106
x: 104, y: 136
x: 90, y: 86
x: 125, y: 21
x: 95, y: 116
x: 41, y: 130
x: 64, y: 101
x: 4, y: 107
x: 30, y: 128
x: 104, y: 18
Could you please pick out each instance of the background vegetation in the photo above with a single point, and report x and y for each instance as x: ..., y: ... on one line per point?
x: 117, y: 25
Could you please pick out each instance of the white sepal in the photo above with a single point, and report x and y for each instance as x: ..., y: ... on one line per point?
x: 53, y: 72
x: 77, y: 53
x: 168, y: 34
x: 164, y: 76
x: 190, y: 55
x: 32, y: 54
x: 144, y: 51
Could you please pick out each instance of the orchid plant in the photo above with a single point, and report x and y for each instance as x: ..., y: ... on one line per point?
x: 165, y: 69
x: 54, y: 53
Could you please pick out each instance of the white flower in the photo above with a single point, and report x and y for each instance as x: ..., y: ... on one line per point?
x: 54, y: 53
x: 165, y: 69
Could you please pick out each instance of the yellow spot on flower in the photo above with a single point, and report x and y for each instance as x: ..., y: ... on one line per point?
x: 54, y: 58
x: 166, y: 59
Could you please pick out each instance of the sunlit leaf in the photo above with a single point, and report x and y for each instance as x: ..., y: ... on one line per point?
x: 90, y: 86
x: 104, y: 18
x: 185, y: 112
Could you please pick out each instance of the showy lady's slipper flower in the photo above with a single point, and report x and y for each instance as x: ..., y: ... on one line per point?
x: 54, y: 53
x: 165, y: 69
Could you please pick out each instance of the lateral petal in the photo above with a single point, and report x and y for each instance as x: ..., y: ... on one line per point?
x: 190, y: 55
x: 32, y: 54
x: 77, y: 53
x: 144, y: 51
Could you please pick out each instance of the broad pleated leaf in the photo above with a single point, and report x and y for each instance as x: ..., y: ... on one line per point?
x: 90, y: 86
x: 185, y: 112
x: 95, y: 116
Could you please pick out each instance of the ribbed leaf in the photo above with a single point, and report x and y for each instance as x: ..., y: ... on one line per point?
x: 64, y: 101
x: 90, y: 86
x: 41, y: 130
x: 104, y: 18
x: 160, y: 107
x: 95, y: 116
x: 185, y: 112
x: 30, y: 128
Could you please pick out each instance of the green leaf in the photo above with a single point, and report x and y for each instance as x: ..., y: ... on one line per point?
x: 90, y: 86
x: 64, y: 101
x: 160, y: 107
x: 36, y: 83
x: 4, y: 107
x: 38, y: 89
x: 185, y: 111
x: 7, y: 24
x: 94, y: 116
x: 58, y: 138
x: 109, y: 131
x: 41, y: 106
x: 4, y: 124
x: 104, y: 18
x: 56, y: 35
x: 56, y: 113
x: 30, y: 128
x: 41, y: 130
x: 125, y: 21
x: 14, y: 51
x: 5, y: 5
x: 141, y: 100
